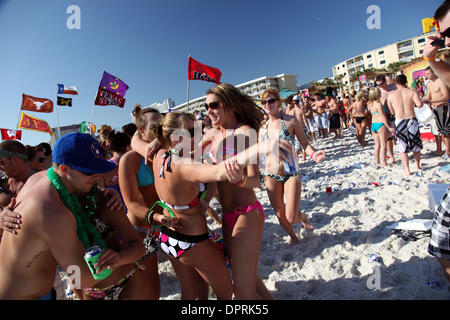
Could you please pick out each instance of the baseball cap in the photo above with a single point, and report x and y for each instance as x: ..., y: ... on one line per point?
x: 296, y: 98
x: 82, y: 152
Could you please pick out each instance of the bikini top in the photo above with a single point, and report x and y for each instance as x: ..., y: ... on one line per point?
x: 284, y: 133
x: 167, y: 156
x: 145, y: 175
x: 227, y: 149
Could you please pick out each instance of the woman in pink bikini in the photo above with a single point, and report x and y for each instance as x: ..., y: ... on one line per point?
x: 235, y: 114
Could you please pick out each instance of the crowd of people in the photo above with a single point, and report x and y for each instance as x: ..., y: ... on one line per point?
x: 148, y: 187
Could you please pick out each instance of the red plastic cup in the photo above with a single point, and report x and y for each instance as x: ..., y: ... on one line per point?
x: 329, y: 190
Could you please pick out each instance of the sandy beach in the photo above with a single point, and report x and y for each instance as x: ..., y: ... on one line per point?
x: 332, y: 262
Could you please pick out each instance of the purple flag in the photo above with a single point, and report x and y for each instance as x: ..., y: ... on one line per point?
x: 113, y: 84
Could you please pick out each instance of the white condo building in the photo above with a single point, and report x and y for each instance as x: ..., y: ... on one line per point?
x: 402, y: 51
x: 253, y: 88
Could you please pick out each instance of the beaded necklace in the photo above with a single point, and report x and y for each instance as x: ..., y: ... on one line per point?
x: 84, y: 225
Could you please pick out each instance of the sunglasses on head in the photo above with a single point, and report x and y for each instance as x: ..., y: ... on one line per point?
x: 212, y: 105
x: 270, y: 101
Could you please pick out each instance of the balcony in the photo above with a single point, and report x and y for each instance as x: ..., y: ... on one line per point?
x: 359, y: 63
x: 405, y: 49
x: 350, y: 66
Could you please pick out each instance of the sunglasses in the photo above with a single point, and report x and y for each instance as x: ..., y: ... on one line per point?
x: 270, y: 101
x: 212, y: 105
x: 446, y: 33
x: 41, y: 160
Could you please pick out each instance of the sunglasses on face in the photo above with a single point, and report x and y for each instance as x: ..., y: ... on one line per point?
x: 41, y: 160
x: 212, y: 105
x: 270, y: 101
x: 445, y: 34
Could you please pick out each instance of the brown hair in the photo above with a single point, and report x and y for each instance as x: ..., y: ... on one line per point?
x: 138, y: 113
x: 118, y: 141
x: 13, y: 148
x: 244, y: 108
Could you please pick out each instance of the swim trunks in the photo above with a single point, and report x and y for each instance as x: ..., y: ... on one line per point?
x: 439, y: 245
x: 407, y: 135
x: 442, y: 120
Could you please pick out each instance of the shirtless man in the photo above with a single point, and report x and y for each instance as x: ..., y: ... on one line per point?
x: 401, y: 104
x: 14, y: 164
x: 320, y: 114
x: 309, y: 116
x: 437, y: 96
x: 49, y: 236
x: 385, y: 88
x: 335, y: 119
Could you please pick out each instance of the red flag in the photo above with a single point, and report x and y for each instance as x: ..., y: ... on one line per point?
x: 36, y: 104
x: 106, y: 98
x: 32, y: 123
x: 8, y: 134
x: 199, y: 71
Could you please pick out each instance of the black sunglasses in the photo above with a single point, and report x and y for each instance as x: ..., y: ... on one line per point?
x: 212, y: 105
x: 41, y: 160
x: 446, y: 33
x: 270, y: 101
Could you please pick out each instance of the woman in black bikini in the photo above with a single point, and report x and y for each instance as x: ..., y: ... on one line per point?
x: 360, y: 117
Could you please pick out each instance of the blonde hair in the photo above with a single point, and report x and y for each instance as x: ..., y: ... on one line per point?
x: 243, y: 107
x: 374, y: 94
x: 167, y: 125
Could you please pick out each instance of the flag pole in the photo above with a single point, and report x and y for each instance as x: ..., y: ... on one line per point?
x: 57, y: 118
x: 188, y: 82
x: 18, y: 122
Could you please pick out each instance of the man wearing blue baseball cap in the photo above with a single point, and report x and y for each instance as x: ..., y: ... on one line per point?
x: 63, y: 215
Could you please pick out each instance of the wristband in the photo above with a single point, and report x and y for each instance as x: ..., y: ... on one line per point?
x: 312, y: 155
x: 429, y: 59
x: 242, y: 181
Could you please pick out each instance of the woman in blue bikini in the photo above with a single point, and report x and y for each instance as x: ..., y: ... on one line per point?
x: 280, y: 182
x: 137, y: 186
x: 380, y: 126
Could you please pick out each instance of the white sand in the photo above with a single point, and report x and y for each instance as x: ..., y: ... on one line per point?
x: 333, y: 261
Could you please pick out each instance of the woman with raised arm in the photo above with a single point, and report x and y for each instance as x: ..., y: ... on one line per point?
x: 180, y: 186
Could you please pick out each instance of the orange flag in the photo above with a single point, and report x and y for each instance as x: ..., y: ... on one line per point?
x: 32, y: 123
x: 36, y: 104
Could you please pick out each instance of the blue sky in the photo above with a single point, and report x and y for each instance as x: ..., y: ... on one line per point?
x: 146, y: 43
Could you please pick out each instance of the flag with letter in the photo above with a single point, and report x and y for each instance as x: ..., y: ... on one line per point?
x: 106, y: 98
x: 32, y: 123
x: 36, y: 104
x: 199, y: 71
x: 8, y: 134
x: 64, y: 101
x: 113, y: 84
x: 62, y: 89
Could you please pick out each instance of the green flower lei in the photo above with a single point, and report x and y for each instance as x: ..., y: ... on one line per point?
x: 84, y: 225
